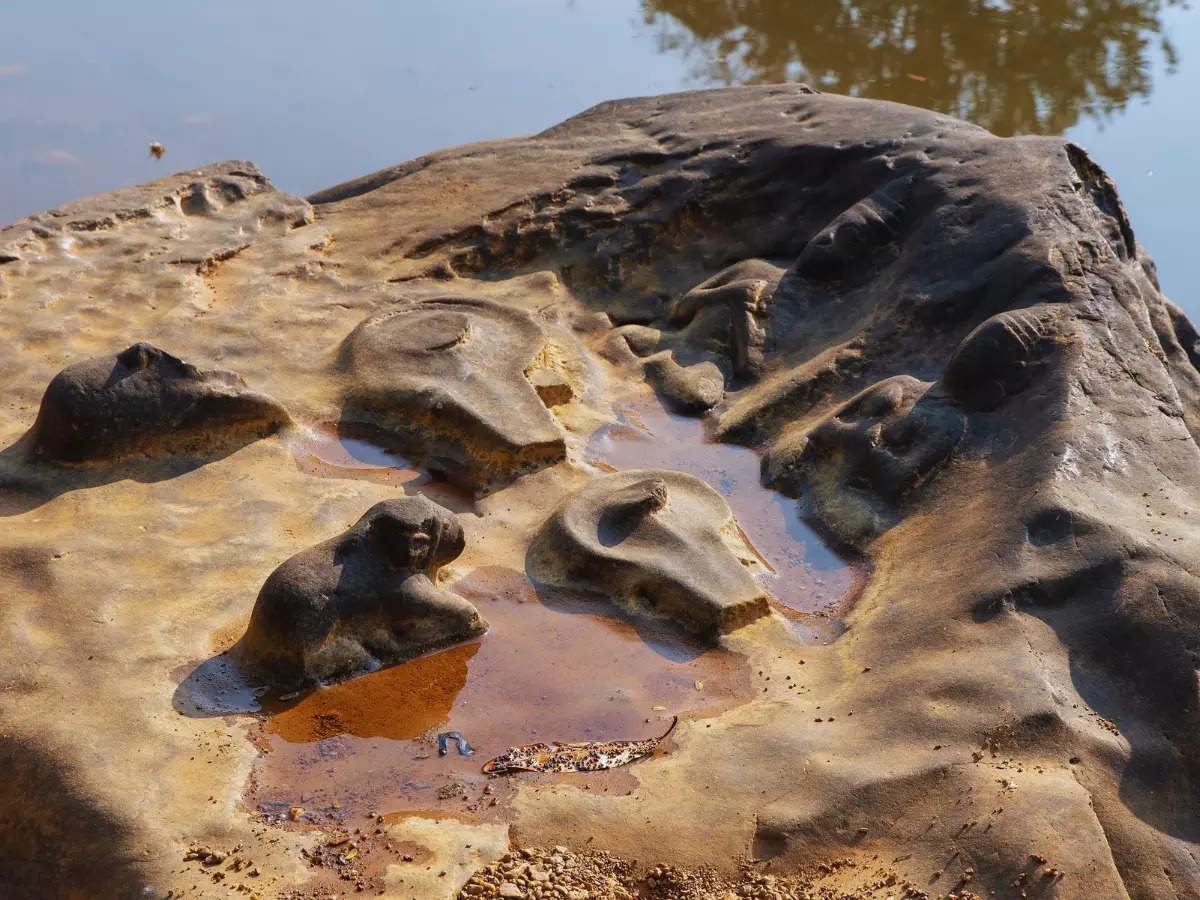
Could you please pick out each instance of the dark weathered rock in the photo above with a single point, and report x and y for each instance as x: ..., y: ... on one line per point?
x: 363, y: 599
x: 690, y: 389
x: 657, y: 542
x: 863, y: 459
x: 446, y: 380
x: 741, y: 295
x: 968, y: 372
x: 145, y: 401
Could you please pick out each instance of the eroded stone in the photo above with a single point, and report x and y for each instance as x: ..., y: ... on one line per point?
x: 861, y: 461
x: 690, y: 389
x: 144, y: 400
x: 655, y: 541
x: 742, y: 293
x: 363, y: 599
x: 445, y: 379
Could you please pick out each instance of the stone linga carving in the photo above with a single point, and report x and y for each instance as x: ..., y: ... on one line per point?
x: 446, y: 379
x: 364, y: 599
x: 144, y: 400
x: 657, y: 542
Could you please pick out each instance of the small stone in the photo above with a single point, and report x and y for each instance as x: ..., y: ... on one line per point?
x: 510, y: 890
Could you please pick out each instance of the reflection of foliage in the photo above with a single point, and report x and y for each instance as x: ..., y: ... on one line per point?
x: 1015, y: 66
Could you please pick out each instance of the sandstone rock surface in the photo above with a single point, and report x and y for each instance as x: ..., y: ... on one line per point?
x: 658, y: 542
x: 949, y: 348
x: 446, y: 380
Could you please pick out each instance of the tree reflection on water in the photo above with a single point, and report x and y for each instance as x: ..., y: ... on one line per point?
x: 1026, y: 66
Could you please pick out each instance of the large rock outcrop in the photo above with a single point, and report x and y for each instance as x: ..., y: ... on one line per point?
x: 948, y: 347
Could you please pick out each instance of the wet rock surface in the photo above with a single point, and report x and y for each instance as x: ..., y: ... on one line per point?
x: 949, y: 349
x: 363, y: 599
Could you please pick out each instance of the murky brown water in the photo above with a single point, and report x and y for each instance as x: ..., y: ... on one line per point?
x: 1025, y: 67
x: 79, y: 105
x: 550, y: 668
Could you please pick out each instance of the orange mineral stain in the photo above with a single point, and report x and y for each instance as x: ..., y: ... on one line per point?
x: 400, y: 703
x: 552, y: 667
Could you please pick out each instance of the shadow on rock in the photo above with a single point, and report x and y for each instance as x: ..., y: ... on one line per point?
x: 54, y: 835
x: 27, y: 482
x: 1135, y: 671
x: 221, y: 686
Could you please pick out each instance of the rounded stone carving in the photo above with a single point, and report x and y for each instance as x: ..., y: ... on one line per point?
x: 653, y: 541
x: 445, y: 379
x: 144, y: 400
x: 364, y: 599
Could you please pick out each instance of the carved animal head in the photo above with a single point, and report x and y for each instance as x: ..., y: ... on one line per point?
x: 414, y: 533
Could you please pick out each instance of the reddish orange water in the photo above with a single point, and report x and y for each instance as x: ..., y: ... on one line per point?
x: 550, y: 668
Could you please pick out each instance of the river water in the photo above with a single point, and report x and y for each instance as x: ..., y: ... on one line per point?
x: 318, y: 93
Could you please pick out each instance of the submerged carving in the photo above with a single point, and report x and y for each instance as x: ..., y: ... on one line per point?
x: 657, y: 542
x: 446, y: 380
x: 363, y: 599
